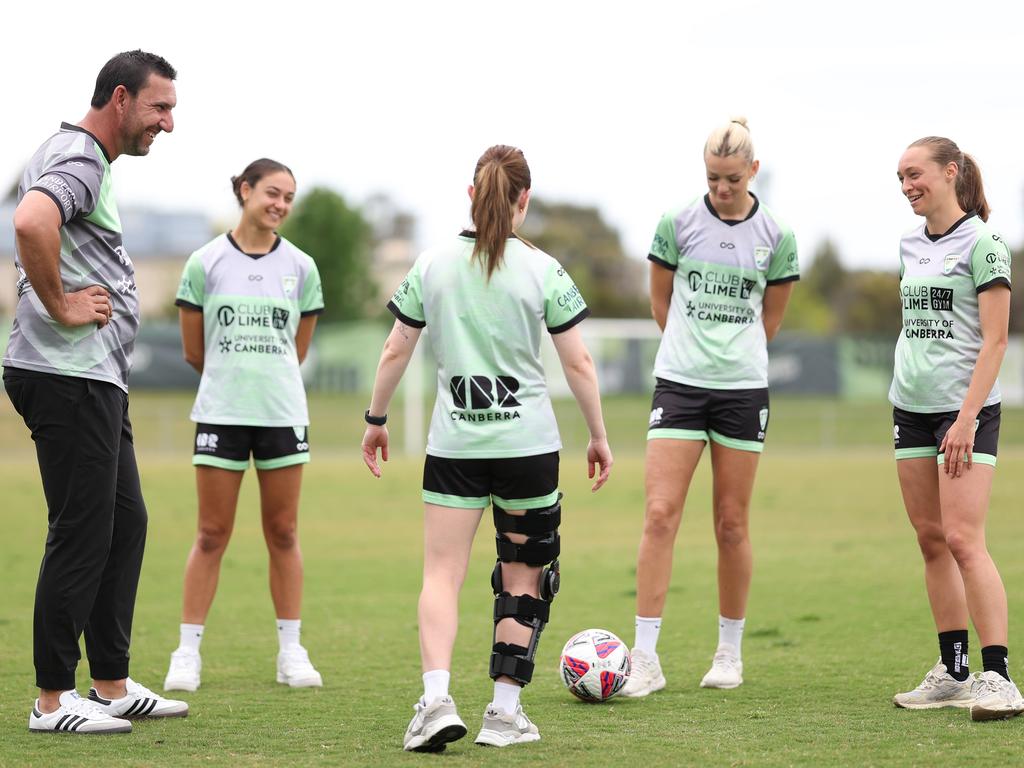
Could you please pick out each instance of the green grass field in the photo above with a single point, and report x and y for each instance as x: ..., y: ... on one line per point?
x: 838, y: 619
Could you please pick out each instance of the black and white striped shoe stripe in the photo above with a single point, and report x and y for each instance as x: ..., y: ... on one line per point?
x: 69, y: 723
x: 77, y: 725
x: 141, y: 707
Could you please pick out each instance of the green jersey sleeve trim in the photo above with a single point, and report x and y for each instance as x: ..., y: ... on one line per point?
x: 781, y: 280
x: 662, y: 262
x: 405, y: 318
x: 188, y: 305
x: 992, y: 284
x: 664, y: 247
x: 566, y: 326
x: 311, y: 312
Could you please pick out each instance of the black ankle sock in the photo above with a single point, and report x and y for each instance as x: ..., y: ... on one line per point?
x: 993, y: 659
x: 953, y: 649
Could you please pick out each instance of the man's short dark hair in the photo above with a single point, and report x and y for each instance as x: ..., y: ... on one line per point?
x: 130, y: 69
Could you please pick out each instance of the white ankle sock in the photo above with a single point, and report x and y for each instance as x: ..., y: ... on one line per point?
x: 435, y: 684
x: 288, y: 632
x: 506, y: 696
x: 730, y: 632
x: 191, y: 636
x: 647, y: 630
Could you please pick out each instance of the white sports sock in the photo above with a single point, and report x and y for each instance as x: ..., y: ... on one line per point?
x: 730, y: 632
x: 288, y: 632
x: 191, y: 636
x: 647, y: 630
x: 506, y: 696
x: 435, y: 684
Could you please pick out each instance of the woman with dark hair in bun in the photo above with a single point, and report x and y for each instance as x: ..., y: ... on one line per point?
x: 955, y: 290
x: 248, y: 305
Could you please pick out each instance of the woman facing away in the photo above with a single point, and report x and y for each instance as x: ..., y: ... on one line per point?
x: 955, y: 290
x: 487, y: 296
x: 722, y: 271
x: 248, y: 305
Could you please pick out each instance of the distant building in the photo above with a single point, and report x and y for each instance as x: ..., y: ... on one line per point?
x: 158, y: 243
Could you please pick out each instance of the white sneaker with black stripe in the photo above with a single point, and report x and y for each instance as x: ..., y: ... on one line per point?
x: 76, y: 715
x: 139, y: 702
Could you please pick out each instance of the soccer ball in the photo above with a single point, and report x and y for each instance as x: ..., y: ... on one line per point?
x: 595, y: 664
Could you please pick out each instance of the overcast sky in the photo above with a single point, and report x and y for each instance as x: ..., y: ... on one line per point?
x: 611, y: 102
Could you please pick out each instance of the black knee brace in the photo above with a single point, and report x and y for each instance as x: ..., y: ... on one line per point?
x: 541, y: 548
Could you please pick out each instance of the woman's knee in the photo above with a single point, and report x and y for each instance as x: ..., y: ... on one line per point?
x: 966, y: 546
x: 212, y: 539
x: 661, y: 518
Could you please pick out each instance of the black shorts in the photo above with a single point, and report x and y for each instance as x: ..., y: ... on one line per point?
x: 919, y: 435
x: 229, y: 446
x: 525, y: 482
x: 735, y: 418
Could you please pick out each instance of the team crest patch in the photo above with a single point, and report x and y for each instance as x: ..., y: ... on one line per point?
x: 288, y: 282
x: 656, y: 415
x: 761, y: 255
x: 762, y: 416
x: 950, y: 262
x: 300, y: 433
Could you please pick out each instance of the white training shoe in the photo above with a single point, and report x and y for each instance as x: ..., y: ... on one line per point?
x: 938, y: 689
x: 726, y: 669
x: 139, y: 701
x: 433, y: 726
x: 502, y: 729
x: 183, y: 674
x: 76, y: 715
x: 295, y: 669
x: 645, y: 677
x: 995, y: 698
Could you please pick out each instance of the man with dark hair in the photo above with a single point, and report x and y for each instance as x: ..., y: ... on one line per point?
x: 66, y: 371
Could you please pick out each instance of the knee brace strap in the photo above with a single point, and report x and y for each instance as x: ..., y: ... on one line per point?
x: 523, y: 608
x: 542, y: 545
x: 511, y: 661
x: 543, y: 520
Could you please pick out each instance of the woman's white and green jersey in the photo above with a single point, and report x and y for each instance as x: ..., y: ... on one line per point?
x: 492, y: 399
x: 940, y: 279
x: 714, y: 337
x: 251, y: 305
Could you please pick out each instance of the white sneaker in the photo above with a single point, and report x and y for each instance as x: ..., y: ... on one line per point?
x: 433, y: 726
x: 501, y: 728
x: 139, y: 701
x: 726, y: 669
x: 183, y: 674
x: 938, y: 689
x: 995, y: 698
x: 76, y: 715
x: 295, y: 669
x: 645, y: 676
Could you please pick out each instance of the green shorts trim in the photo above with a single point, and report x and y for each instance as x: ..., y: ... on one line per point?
x: 923, y: 452
x: 677, y: 434
x: 537, y: 502
x: 213, y: 461
x: 740, y: 445
x: 977, y: 458
x: 282, y: 461
x: 458, y: 502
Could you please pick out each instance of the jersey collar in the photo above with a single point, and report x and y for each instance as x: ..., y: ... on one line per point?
x: 79, y: 129
x: 238, y: 248
x: 957, y: 223
x: 733, y: 222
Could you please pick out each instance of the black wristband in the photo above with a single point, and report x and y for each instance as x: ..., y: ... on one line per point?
x: 377, y: 421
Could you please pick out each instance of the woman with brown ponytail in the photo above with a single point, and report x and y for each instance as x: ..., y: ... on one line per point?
x: 487, y: 296
x: 955, y: 289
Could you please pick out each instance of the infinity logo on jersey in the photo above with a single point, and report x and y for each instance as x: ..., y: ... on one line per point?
x: 477, y: 393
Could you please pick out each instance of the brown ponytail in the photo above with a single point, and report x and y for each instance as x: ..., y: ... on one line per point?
x: 970, y: 193
x: 501, y: 176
